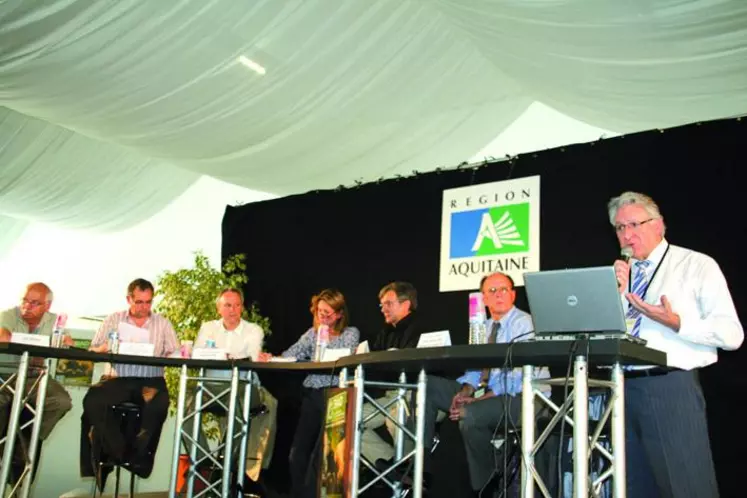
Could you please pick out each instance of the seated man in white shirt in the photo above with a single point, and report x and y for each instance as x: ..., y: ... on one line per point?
x: 239, y: 339
x: 678, y: 301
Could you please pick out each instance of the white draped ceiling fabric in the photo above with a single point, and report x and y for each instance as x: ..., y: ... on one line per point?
x: 111, y: 109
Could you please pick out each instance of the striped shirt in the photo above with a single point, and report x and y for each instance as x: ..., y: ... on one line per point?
x: 162, y: 336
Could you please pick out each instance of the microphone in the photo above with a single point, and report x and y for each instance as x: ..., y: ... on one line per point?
x: 626, y: 253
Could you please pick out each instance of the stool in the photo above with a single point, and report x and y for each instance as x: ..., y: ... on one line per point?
x: 129, y: 423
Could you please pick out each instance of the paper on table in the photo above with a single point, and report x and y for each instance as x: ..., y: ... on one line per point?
x: 335, y: 354
x: 131, y: 333
x: 280, y: 359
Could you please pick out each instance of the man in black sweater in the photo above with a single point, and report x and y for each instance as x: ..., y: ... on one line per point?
x: 398, y: 302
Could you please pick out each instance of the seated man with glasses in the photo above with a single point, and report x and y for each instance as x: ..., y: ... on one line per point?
x: 32, y: 317
x: 398, y: 303
x: 479, y: 400
x: 143, y: 385
x: 239, y: 339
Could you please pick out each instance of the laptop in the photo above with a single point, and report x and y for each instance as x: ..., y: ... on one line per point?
x: 575, y: 301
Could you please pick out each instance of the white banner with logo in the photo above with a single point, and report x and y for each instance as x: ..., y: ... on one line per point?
x: 488, y: 228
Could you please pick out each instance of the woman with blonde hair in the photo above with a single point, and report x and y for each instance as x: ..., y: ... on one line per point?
x: 328, y: 308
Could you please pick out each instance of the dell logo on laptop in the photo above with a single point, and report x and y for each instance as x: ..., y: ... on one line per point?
x: 572, y: 300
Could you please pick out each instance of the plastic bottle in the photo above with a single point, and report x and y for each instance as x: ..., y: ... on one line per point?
x: 478, y: 331
x: 322, y: 341
x: 59, y: 328
x: 114, y: 342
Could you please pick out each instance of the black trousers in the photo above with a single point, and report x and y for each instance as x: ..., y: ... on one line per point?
x: 304, y: 453
x: 101, y: 397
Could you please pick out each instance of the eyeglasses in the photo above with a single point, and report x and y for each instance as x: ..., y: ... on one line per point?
x: 325, y: 314
x: 389, y: 304
x: 497, y: 290
x: 633, y: 225
x: 33, y: 304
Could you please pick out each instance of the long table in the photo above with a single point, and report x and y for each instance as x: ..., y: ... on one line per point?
x: 17, y: 385
x: 396, y: 365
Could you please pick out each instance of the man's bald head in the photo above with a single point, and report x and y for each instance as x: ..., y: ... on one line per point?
x: 41, y: 288
x: 35, y: 302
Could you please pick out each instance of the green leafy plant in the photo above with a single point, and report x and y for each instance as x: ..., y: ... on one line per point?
x: 187, y: 298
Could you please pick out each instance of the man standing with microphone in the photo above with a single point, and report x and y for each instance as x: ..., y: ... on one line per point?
x: 679, y: 302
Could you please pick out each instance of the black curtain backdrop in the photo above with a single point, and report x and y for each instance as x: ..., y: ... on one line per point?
x: 358, y: 239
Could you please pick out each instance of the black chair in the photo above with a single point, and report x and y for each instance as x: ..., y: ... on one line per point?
x: 128, y: 416
x: 510, y: 444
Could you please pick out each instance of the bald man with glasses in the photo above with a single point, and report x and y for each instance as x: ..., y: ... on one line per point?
x: 32, y: 316
x: 477, y: 400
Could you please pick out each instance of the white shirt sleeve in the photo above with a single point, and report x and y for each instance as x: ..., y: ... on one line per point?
x: 713, y: 321
x: 255, y: 338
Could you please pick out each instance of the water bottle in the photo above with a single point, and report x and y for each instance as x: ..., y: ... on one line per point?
x: 322, y: 341
x: 478, y: 330
x: 114, y: 342
x: 59, y: 328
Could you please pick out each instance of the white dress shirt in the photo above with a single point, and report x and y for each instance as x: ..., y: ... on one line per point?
x: 245, y: 341
x: 697, y: 291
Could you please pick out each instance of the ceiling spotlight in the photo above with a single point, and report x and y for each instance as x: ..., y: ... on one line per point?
x: 252, y: 65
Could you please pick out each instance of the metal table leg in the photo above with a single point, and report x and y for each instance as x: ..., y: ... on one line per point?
x: 178, y: 431
x: 196, y: 428
x: 41, y: 396
x: 228, y: 450
x: 580, y: 428
x: 399, y: 444
x: 417, y: 487
x: 357, y: 426
x: 618, y: 432
x: 246, y: 424
x: 527, y: 432
x: 13, y: 421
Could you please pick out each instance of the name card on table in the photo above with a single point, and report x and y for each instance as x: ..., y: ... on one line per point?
x: 362, y: 348
x: 137, y: 348
x: 435, y: 339
x: 30, y: 339
x: 335, y: 354
x: 209, y: 354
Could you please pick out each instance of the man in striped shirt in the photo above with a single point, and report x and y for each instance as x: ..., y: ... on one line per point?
x: 140, y: 384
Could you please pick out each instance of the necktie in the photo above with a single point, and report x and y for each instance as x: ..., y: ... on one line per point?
x: 640, y: 284
x: 491, y: 339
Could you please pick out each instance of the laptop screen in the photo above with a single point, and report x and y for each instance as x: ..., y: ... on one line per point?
x: 579, y: 300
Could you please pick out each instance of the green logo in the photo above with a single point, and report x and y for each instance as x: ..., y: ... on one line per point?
x: 503, y: 229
